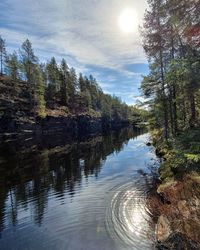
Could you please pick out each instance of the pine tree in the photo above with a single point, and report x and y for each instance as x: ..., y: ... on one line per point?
x: 12, y: 66
x: 29, y: 60
x: 64, y: 91
x: 170, y: 42
x: 73, y: 85
x: 95, y: 93
x: 53, y: 76
x: 87, y: 93
x: 82, y: 84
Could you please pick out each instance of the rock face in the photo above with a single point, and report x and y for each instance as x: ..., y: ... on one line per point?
x: 75, y: 127
x: 17, y: 116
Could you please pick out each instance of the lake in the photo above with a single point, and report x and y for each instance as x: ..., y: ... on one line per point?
x: 88, y: 194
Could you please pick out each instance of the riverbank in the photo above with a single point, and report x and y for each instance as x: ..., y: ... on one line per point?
x: 176, y: 205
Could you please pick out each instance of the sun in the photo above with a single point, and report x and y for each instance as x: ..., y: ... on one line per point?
x: 128, y: 20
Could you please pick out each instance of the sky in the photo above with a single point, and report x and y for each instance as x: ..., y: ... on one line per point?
x: 84, y: 32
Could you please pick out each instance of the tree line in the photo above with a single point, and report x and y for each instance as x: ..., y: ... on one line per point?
x: 171, y: 40
x: 56, y: 85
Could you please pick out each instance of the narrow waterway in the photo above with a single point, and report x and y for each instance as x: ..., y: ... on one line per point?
x: 87, y: 195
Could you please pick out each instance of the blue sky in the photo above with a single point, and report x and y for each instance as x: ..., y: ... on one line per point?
x: 86, y: 33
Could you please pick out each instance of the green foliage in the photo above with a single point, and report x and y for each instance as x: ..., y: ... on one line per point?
x: 12, y: 66
x: 28, y: 61
x: 64, y: 77
x: 172, y: 46
x: 53, y: 79
x: 181, y: 154
x: 193, y: 157
x: 73, y: 84
x: 195, y: 147
x: 165, y: 172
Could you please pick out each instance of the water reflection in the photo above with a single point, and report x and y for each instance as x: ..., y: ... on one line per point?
x: 128, y: 212
x: 33, y: 171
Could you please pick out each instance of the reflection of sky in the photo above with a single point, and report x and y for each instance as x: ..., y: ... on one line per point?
x: 135, y: 156
x: 86, y: 33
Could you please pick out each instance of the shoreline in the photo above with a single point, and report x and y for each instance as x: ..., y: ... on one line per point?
x: 176, y: 204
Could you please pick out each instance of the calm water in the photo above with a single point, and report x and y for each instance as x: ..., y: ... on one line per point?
x: 87, y: 195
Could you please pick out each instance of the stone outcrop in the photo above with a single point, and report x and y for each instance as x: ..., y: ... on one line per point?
x: 18, y: 117
x: 176, y: 208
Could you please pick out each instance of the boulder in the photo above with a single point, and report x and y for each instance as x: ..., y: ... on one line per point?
x: 178, y: 241
x: 163, y: 229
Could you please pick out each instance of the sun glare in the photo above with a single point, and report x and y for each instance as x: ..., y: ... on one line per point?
x: 128, y: 20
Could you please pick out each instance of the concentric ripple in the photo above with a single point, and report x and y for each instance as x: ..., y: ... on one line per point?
x: 128, y: 219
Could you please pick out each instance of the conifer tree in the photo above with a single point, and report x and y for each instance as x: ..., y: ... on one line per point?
x: 28, y: 60
x: 170, y: 42
x: 73, y: 85
x: 53, y: 78
x: 13, y: 65
x: 64, y: 87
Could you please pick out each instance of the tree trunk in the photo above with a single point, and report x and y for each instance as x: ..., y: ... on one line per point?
x: 164, y: 101
x: 164, y: 97
x: 193, y: 110
x: 171, y: 111
x: 175, y: 110
x: 175, y: 126
x: 184, y: 114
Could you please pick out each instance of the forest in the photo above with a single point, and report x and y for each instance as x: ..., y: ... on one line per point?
x: 171, y: 40
x: 56, y: 88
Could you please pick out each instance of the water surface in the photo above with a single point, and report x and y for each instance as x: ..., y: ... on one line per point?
x: 83, y: 195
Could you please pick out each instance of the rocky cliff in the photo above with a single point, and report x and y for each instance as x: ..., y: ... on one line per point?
x: 18, y: 117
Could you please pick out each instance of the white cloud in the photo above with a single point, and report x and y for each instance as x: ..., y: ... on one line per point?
x: 86, y: 32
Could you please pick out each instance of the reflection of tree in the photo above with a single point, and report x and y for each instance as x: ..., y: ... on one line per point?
x: 13, y: 205
x: 40, y: 197
x: 3, y: 197
x: 32, y: 174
